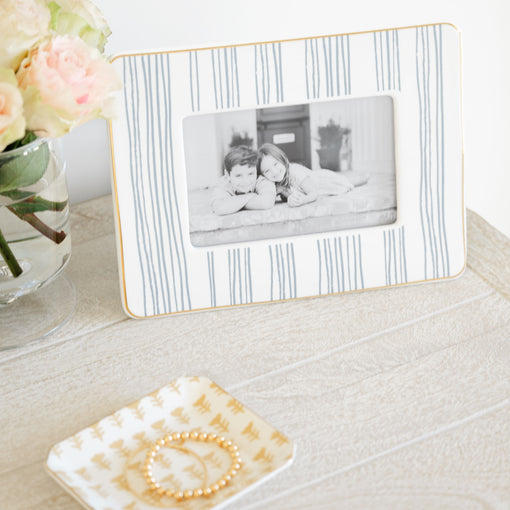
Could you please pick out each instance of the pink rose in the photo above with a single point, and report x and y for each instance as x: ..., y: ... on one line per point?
x: 64, y: 83
x: 23, y: 23
x: 12, y: 122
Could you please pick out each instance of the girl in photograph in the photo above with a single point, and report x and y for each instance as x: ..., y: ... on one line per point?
x: 299, y: 185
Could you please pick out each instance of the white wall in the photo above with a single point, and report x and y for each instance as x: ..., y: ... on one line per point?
x: 165, y: 24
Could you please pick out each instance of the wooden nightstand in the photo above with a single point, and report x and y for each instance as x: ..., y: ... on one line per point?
x: 396, y: 398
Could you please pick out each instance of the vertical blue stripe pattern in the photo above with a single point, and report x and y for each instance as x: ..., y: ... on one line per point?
x: 174, y: 222
x: 268, y: 71
x: 131, y: 105
x: 159, y: 237
x: 340, y: 264
x: 327, y: 67
x: 225, y: 73
x: 152, y: 172
x: 387, y: 60
x: 395, y: 262
x: 212, y: 278
x: 438, y: 42
x: 429, y: 87
x: 283, y: 277
x: 239, y: 276
x: 278, y: 266
x: 194, y: 80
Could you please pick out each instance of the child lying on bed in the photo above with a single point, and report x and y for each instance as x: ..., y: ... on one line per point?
x: 299, y: 185
x: 240, y: 188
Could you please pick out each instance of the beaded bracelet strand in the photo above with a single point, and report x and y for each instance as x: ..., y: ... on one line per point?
x: 180, y: 438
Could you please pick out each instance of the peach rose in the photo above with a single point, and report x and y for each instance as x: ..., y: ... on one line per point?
x: 12, y: 122
x: 23, y: 23
x: 81, y: 18
x: 64, y: 83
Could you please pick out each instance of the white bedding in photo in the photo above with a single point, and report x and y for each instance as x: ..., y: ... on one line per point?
x: 371, y: 204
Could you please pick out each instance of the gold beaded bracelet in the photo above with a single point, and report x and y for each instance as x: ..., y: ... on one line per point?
x: 180, y: 437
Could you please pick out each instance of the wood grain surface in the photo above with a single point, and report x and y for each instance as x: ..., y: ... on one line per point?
x: 395, y: 398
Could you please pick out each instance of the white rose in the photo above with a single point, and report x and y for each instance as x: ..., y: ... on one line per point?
x: 23, y: 23
x: 79, y: 18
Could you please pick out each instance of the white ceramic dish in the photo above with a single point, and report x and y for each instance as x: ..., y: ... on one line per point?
x: 101, y: 466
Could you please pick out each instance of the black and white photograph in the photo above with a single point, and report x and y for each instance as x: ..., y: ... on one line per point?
x: 293, y: 170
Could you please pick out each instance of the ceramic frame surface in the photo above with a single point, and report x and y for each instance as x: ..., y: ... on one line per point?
x: 161, y: 272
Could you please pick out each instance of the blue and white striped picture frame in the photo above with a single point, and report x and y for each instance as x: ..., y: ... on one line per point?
x: 162, y: 273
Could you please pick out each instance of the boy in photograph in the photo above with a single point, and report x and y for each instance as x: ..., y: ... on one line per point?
x: 240, y: 187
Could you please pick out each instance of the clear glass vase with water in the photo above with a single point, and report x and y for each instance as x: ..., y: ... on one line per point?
x: 35, y: 238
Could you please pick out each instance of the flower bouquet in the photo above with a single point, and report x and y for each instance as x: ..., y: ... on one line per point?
x: 53, y: 76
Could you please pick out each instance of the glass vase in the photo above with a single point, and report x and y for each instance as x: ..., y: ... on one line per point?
x: 35, y: 242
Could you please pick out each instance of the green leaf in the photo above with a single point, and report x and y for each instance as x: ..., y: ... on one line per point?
x: 24, y: 169
x: 32, y: 202
x: 17, y: 194
x: 28, y: 203
x: 23, y: 208
x: 28, y: 138
x: 54, y: 8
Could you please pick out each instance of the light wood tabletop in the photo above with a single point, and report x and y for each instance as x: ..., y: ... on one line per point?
x: 396, y: 398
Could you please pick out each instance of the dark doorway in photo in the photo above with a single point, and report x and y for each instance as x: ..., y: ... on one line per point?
x: 287, y: 127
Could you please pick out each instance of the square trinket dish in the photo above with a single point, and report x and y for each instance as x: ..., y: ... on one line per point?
x: 102, y: 466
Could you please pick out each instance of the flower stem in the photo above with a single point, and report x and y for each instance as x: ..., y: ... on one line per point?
x: 27, y: 200
x: 9, y: 257
x: 40, y: 226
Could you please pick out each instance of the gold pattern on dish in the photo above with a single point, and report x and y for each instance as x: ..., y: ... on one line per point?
x: 251, y: 432
x: 220, y: 423
x: 235, y: 406
x: 202, y: 405
x: 181, y: 415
